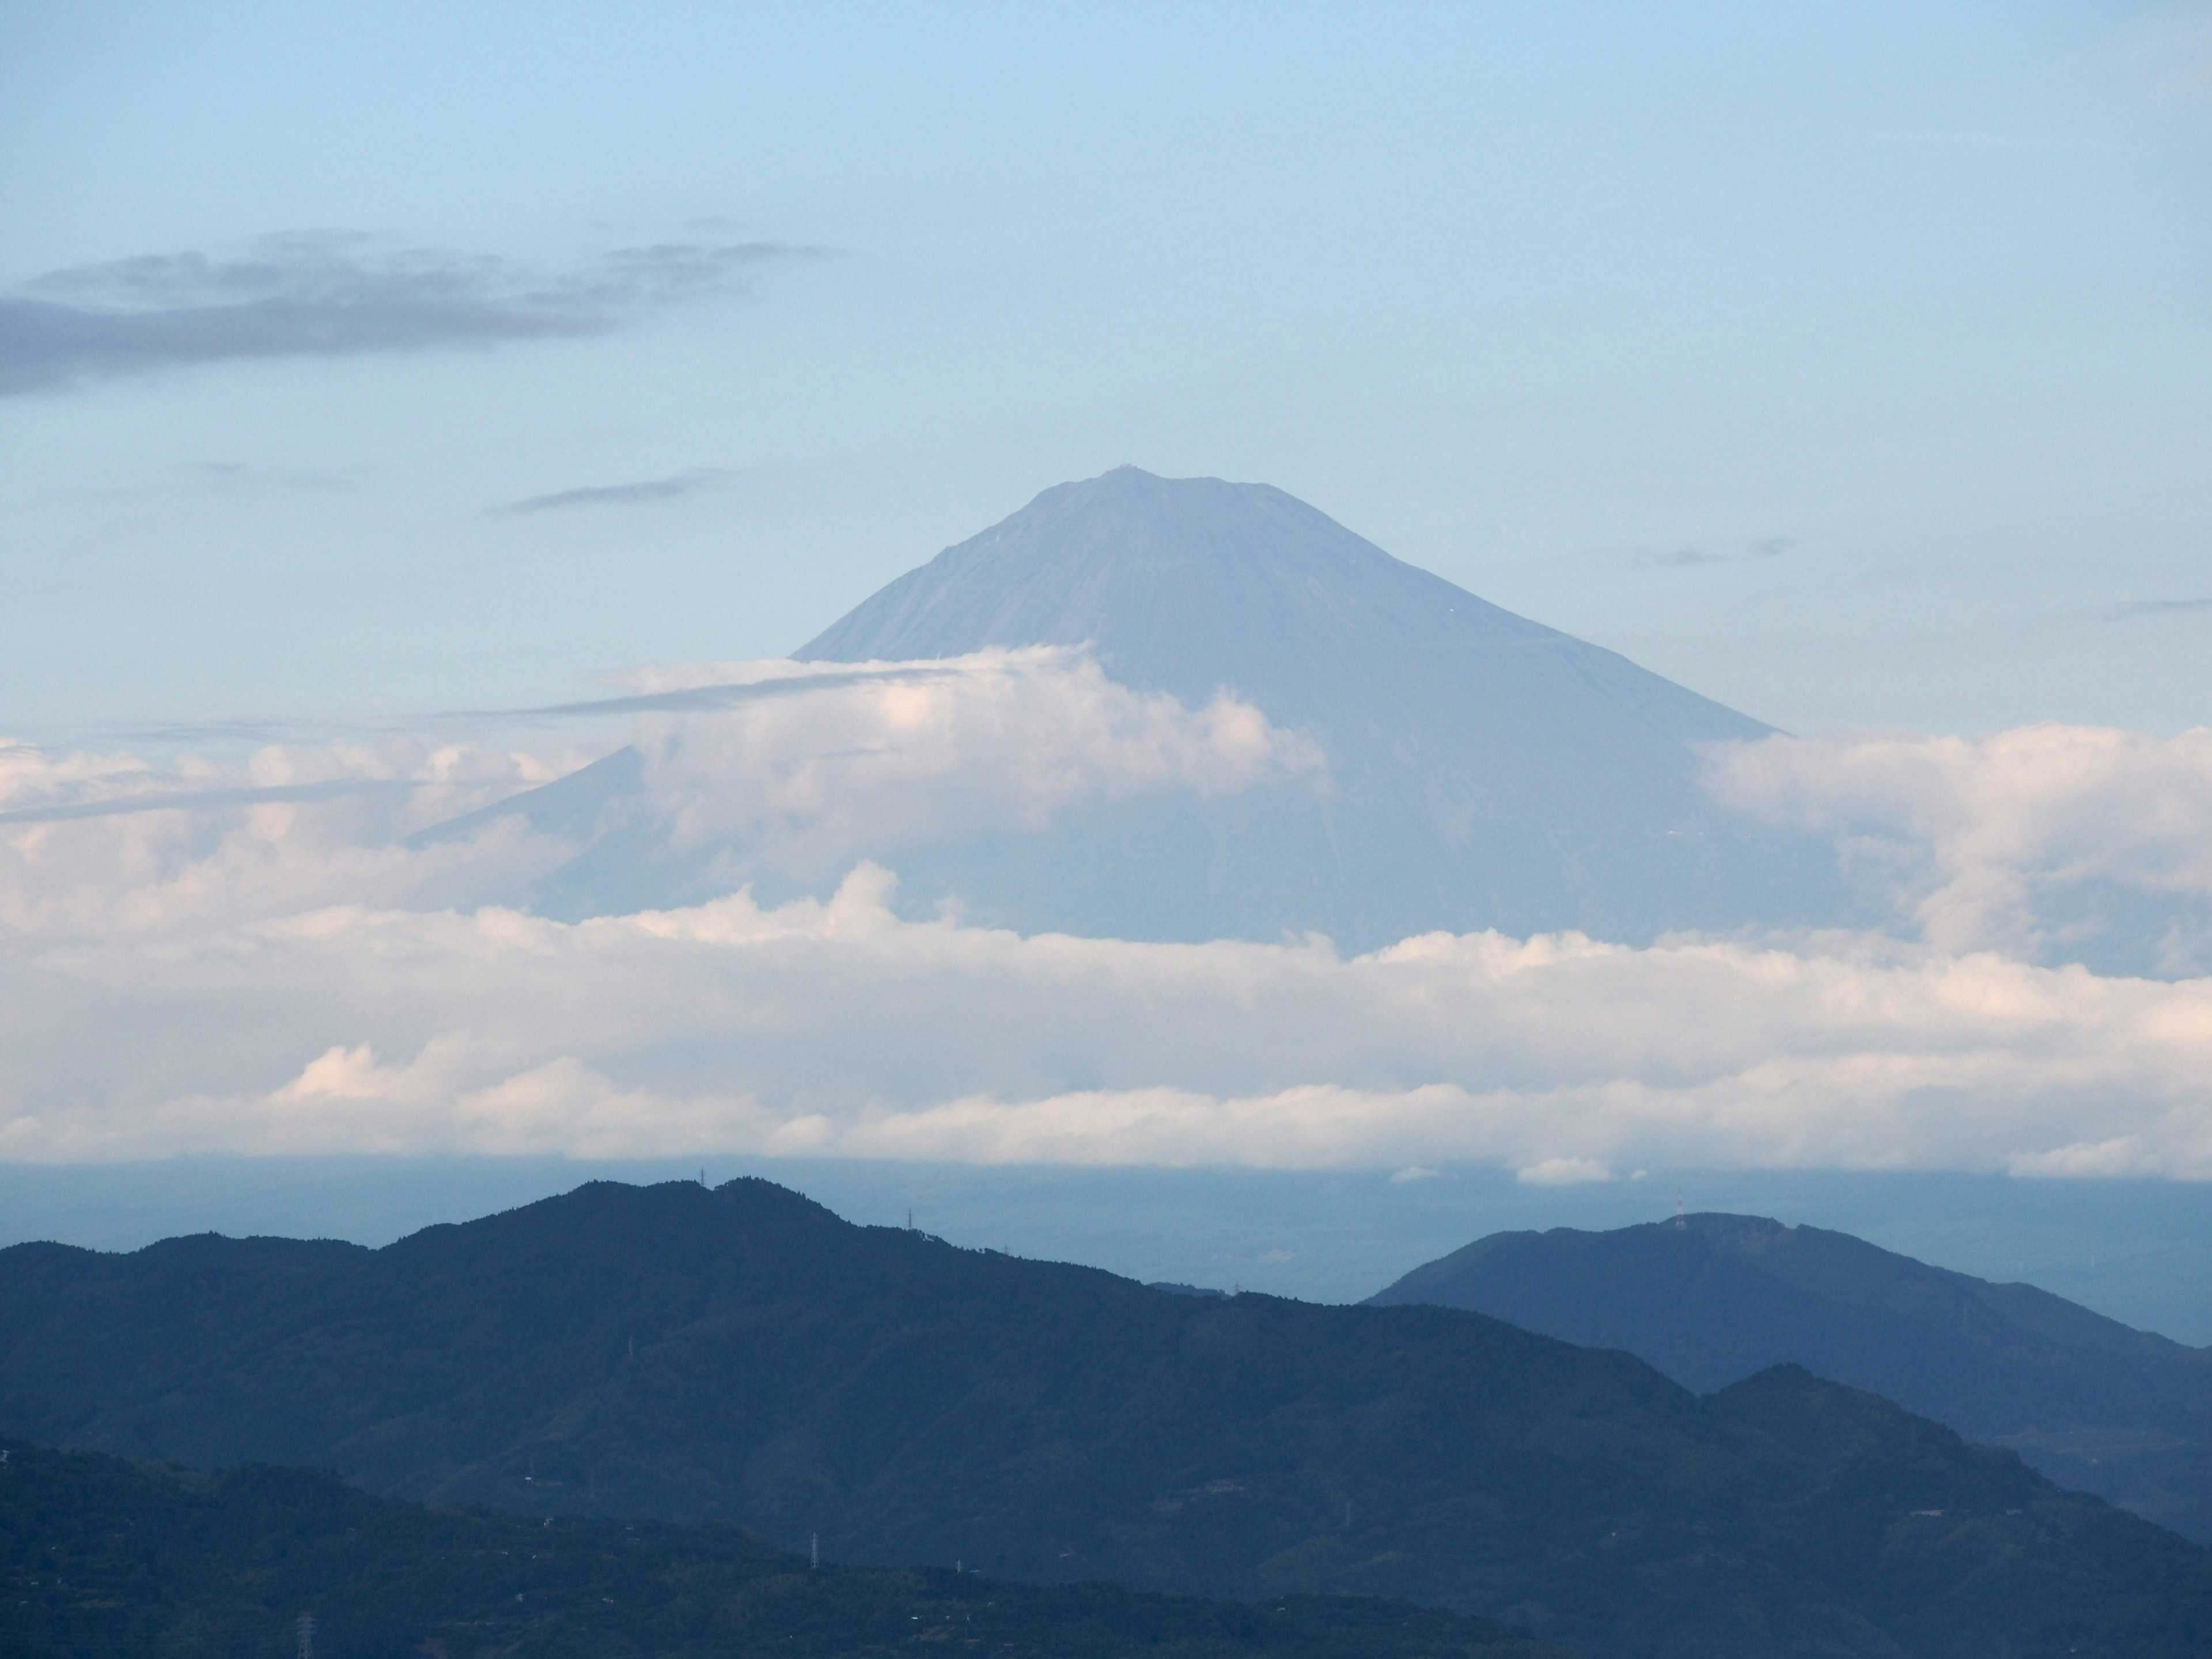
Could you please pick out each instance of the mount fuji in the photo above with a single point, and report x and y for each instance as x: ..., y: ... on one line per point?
x: 1483, y: 771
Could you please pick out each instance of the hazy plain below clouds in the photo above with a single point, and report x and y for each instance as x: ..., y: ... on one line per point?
x: 279, y: 969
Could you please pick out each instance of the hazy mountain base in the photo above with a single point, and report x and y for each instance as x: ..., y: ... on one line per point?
x: 1483, y: 770
x: 98, y: 1556
x: 2096, y: 1406
x: 742, y: 1354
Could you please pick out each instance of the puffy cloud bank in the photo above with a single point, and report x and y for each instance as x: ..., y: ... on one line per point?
x: 884, y: 757
x: 838, y: 1027
x: 274, y: 966
x: 2049, y: 841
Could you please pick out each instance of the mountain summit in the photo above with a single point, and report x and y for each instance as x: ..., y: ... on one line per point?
x: 1188, y: 585
x: 1486, y: 770
x: 1482, y: 770
x: 1715, y: 1298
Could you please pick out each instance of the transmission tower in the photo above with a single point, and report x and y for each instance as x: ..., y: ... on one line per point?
x: 307, y: 1636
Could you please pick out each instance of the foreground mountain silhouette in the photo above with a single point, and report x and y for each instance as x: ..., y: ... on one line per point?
x: 1483, y: 770
x: 101, y: 1556
x: 741, y: 1354
x: 2091, y: 1402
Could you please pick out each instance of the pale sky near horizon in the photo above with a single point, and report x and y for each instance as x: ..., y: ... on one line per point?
x: 361, y: 367
x: 1850, y: 364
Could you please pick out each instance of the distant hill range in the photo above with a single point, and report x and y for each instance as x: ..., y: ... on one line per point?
x: 98, y: 1556
x: 1485, y: 771
x: 2094, y: 1404
x: 741, y: 1354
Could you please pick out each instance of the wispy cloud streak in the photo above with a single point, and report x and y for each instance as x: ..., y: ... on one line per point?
x: 2156, y: 608
x: 640, y: 493
x: 1768, y: 547
x: 204, y: 800
x: 337, y: 295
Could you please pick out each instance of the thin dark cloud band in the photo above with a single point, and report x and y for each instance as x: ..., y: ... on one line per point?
x: 706, y: 699
x: 1769, y: 547
x: 336, y: 295
x: 637, y: 493
x: 1689, y: 555
x: 200, y: 799
x: 698, y: 699
x: 2156, y: 608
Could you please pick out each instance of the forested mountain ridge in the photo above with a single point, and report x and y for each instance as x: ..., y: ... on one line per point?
x: 2093, y: 1403
x: 100, y: 1556
x: 742, y: 1354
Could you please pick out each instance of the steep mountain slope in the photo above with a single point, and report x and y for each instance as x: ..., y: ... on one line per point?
x: 742, y: 1354
x: 1487, y: 771
x: 1184, y: 585
x: 98, y: 1556
x: 2094, y: 1404
x: 1482, y: 770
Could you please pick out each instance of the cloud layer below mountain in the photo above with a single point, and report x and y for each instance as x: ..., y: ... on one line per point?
x: 199, y: 958
x: 2049, y: 841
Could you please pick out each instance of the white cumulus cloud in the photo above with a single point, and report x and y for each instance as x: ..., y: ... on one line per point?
x: 836, y: 1027
x: 2046, y: 841
x: 258, y: 958
x: 848, y: 762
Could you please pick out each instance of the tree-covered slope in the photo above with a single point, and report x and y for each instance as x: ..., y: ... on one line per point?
x: 98, y: 1556
x: 2091, y: 1402
x: 741, y: 1354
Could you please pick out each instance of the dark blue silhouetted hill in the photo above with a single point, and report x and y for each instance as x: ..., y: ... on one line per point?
x: 2094, y: 1404
x: 742, y: 1355
x: 98, y: 1556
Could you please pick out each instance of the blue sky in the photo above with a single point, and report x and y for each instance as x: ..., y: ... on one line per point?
x: 1850, y: 364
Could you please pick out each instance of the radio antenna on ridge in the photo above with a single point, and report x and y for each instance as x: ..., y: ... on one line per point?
x: 1680, y: 1225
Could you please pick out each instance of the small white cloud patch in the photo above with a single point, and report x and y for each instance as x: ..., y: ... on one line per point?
x: 1563, y: 1172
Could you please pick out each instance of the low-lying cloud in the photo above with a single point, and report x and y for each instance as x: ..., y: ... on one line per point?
x: 1001, y: 740
x: 2044, y: 842
x: 252, y: 962
x: 796, y: 770
x: 338, y: 295
x: 837, y: 1028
